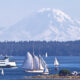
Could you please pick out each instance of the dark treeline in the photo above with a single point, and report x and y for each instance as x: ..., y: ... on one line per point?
x: 71, y: 48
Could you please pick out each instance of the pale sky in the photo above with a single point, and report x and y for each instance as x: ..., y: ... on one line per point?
x: 12, y: 11
x: 22, y: 20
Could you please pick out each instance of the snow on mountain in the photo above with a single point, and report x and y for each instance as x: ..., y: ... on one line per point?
x: 44, y: 24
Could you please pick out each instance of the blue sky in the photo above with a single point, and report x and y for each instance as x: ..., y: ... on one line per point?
x: 12, y: 11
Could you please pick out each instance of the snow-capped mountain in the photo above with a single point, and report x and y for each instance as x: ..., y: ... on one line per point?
x: 44, y: 24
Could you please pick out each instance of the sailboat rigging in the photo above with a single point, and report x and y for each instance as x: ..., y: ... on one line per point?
x: 45, y: 71
x: 33, y: 63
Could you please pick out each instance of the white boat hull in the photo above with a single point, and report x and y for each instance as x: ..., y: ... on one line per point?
x: 34, y: 71
x: 45, y: 72
x: 7, y: 64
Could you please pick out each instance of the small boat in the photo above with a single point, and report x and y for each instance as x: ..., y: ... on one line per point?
x: 33, y: 63
x: 56, y: 63
x: 2, y: 72
x: 46, y: 55
x: 5, y: 63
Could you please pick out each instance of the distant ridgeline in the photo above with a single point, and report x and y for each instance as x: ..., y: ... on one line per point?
x: 53, y: 48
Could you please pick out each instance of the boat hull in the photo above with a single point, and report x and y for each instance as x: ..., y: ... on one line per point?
x: 34, y: 71
x: 45, y: 73
x: 8, y: 66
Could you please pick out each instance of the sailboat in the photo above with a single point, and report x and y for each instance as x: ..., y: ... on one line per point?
x: 33, y: 64
x: 56, y: 63
x: 46, y: 55
x: 2, y: 72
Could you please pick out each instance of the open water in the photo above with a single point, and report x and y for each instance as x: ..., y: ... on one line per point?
x: 66, y: 62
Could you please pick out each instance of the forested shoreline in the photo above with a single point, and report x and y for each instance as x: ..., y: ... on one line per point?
x: 53, y: 48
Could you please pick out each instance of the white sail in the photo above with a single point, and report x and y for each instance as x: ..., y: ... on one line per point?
x: 28, y: 62
x: 46, y: 71
x: 46, y: 55
x: 36, y: 63
x: 2, y: 72
x: 40, y: 64
x: 56, y: 63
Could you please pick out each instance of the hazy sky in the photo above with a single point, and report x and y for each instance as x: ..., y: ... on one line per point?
x: 12, y: 11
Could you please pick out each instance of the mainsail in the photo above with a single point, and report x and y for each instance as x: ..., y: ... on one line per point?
x: 28, y: 62
x: 41, y: 66
x: 36, y: 63
x: 56, y: 63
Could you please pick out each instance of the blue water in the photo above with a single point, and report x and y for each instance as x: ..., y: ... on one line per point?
x: 66, y: 62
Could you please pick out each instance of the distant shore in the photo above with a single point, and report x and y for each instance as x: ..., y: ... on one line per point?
x: 53, y: 77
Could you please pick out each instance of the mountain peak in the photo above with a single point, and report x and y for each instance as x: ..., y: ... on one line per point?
x: 43, y: 10
x: 47, y: 24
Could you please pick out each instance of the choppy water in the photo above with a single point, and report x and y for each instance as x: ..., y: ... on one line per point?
x: 69, y: 62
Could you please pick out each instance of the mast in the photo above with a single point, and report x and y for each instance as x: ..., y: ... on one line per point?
x: 33, y: 58
x: 39, y: 58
